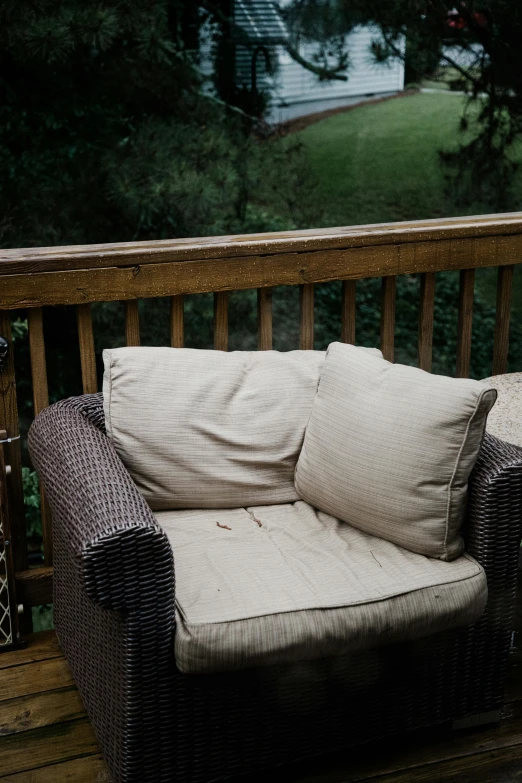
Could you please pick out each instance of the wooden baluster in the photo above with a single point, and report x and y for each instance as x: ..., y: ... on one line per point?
x: 348, y: 312
x: 389, y: 287
x: 465, y: 322
x: 38, y: 362
x: 426, y: 310
x: 221, y: 320
x: 306, y: 309
x: 264, y: 319
x: 87, y: 354
x: 40, y: 401
x: 177, y: 323
x: 501, y: 345
x: 132, y: 322
x: 12, y: 452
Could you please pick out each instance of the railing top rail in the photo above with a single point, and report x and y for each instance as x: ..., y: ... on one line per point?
x: 96, y: 273
x: 48, y: 259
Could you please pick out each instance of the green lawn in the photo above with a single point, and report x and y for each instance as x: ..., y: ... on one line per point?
x: 380, y: 163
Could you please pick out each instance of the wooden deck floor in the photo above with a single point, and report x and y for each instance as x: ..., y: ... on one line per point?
x: 45, y: 736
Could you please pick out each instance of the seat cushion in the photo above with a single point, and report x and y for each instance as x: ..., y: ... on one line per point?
x: 389, y: 449
x: 270, y: 584
x: 210, y: 429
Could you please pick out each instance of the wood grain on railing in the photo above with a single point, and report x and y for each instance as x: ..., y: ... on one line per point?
x: 501, y: 344
x: 40, y: 401
x: 465, y: 322
x: 388, y: 294
x: 264, y: 319
x: 426, y: 312
x: 35, y: 586
x: 177, y: 321
x: 87, y: 355
x: 166, y: 268
x: 306, y: 313
x: 12, y: 451
x: 136, y: 255
x: 348, y: 311
x: 221, y: 321
x: 132, y: 322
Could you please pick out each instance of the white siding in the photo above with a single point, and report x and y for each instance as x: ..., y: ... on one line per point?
x: 295, y: 84
x: 206, y: 66
x: 465, y: 59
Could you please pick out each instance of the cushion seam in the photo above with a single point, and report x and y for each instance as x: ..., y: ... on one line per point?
x: 457, y: 462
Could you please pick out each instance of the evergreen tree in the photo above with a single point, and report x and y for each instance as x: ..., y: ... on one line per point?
x: 108, y: 133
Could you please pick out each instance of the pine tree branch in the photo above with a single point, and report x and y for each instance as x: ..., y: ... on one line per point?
x: 449, y: 60
x: 463, y: 72
x: 322, y: 72
x: 236, y: 109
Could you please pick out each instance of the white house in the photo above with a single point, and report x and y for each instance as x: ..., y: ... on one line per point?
x: 295, y: 90
x: 298, y: 91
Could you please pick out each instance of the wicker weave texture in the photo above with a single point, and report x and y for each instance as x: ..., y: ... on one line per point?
x: 114, y: 594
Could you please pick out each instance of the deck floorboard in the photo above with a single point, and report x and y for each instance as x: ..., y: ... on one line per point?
x: 46, y: 737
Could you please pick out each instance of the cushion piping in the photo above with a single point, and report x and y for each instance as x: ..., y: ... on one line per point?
x: 457, y: 462
x: 387, y: 597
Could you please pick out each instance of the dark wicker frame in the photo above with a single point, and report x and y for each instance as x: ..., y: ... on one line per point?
x: 114, y: 614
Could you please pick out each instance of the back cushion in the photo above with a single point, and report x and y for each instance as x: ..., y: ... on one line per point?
x: 389, y: 449
x: 208, y: 429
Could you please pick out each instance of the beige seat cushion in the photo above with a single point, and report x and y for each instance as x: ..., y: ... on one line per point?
x: 209, y: 429
x: 269, y: 584
x: 389, y: 449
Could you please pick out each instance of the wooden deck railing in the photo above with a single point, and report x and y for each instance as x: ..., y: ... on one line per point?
x: 33, y: 279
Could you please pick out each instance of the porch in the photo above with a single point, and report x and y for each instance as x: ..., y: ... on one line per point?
x: 45, y: 734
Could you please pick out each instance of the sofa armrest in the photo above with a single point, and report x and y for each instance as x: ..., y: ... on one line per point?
x: 493, y: 533
x: 494, y: 519
x: 111, y: 533
x: 113, y: 588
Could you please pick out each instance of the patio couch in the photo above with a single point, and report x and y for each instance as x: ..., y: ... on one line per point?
x: 262, y: 557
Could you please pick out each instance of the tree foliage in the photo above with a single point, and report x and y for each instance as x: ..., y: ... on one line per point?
x: 108, y: 132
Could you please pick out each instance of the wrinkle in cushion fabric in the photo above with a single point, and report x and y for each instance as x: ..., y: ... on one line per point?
x: 389, y: 449
x: 210, y: 429
x: 270, y: 584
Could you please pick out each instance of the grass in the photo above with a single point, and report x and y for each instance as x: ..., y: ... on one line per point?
x: 380, y: 163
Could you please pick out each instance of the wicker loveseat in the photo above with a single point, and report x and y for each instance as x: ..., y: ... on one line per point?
x: 118, y: 621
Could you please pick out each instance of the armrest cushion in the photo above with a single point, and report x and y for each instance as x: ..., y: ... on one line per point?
x: 111, y: 533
